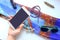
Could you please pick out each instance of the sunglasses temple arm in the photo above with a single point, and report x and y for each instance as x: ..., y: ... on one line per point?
x: 13, y: 4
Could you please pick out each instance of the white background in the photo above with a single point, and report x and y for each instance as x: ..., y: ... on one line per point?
x: 24, y: 35
x: 44, y: 8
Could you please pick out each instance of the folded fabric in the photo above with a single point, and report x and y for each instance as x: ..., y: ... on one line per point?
x: 56, y: 35
x: 36, y: 24
x: 57, y: 23
x: 7, y: 9
x: 2, y: 12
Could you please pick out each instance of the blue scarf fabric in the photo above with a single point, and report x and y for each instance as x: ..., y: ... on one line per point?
x: 7, y: 9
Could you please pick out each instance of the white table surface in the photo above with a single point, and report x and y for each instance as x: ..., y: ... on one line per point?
x: 44, y: 8
x: 29, y: 36
x: 4, y: 27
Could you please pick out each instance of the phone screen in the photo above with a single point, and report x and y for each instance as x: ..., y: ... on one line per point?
x: 20, y: 16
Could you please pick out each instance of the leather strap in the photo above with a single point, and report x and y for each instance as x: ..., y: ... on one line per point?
x: 29, y: 22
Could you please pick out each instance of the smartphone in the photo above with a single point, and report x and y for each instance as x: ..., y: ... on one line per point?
x: 20, y: 16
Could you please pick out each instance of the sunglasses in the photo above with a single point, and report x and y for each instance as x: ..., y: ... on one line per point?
x: 49, y: 29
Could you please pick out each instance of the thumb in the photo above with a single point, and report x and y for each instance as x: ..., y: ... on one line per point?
x: 20, y: 27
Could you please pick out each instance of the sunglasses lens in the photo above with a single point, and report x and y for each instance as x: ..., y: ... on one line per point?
x: 44, y: 29
x: 54, y: 30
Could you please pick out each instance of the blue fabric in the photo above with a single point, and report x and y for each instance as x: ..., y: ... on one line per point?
x: 57, y: 22
x: 37, y: 23
x: 55, y: 35
x: 7, y: 9
x: 6, y: 2
x: 36, y: 28
x: 2, y: 12
x: 41, y: 22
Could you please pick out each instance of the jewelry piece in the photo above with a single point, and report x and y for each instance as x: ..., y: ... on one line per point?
x: 49, y: 5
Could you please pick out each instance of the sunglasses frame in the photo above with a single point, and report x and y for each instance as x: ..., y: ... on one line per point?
x: 49, y: 29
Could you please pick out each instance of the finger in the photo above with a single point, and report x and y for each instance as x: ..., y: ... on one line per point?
x: 10, y: 29
x: 18, y: 30
x: 20, y: 27
x: 10, y: 17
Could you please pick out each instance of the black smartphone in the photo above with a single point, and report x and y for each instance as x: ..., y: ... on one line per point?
x: 20, y: 16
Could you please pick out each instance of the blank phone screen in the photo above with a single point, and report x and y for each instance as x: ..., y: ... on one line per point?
x: 20, y: 16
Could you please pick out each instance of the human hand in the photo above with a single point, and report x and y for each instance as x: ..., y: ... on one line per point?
x: 13, y: 33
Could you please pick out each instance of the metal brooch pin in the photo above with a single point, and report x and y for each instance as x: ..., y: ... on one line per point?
x: 49, y: 5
